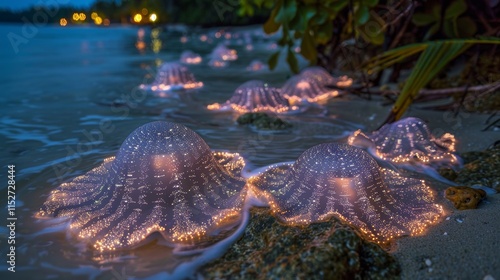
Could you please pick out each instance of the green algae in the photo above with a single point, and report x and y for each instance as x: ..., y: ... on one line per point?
x: 263, y: 121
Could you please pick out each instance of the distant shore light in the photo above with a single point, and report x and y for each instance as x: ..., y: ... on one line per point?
x: 153, y: 17
x: 63, y: 22
x: 94, y: 15
x: 137, y: 18
x: 98, y: 20
x: 82, y: 16
x: 76, y: 16
x: 144, y: 11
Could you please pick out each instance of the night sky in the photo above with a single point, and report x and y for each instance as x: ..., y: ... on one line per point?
x: 23, y: 4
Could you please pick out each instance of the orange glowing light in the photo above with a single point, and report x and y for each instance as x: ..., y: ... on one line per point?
x: 94, y: 15
x: 63, y: 22
x: 106, y: 22
x: 82, y: 16
x: 98, y: 20
x: 76, y: 16
x: 153, y: 17
x: 137, y: 18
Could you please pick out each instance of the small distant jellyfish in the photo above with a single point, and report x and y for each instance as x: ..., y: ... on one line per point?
x: 256, y: 65
x: 163, y: 179
x: 173, y: 76
x: 221, y: 52
x: 254, y: 96
x: 322, y: 76
x: 408, y: 142
x: 346, y: 182
x: 311, y: 85
x: 301, y: 88
x: 189, y: 57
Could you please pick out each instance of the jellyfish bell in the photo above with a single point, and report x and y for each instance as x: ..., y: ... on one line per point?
x: 221, y: 52
x: 408, y: 143
x: 189, y: 57
x: 173, y: 76
x: 256, y: 65
x: 254, y: 96
x: 346, y: 182
x: 163, y: 179
x: 301, y: 89
x: 324, y: 78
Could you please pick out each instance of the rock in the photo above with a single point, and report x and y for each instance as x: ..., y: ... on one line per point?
x: 464, y: 197
x: 263, y: 121
x: 328, y: 250
x: 447, y: 173
x: 481, y: 169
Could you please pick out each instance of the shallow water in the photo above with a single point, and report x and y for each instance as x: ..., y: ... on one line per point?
x: 58, y: 121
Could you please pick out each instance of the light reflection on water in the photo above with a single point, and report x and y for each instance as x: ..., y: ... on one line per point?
x: 62, y: 114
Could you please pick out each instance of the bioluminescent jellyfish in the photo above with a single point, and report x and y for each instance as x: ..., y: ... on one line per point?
x: 300, y: 88
x: 346, y: 182
x: 222, y: 53
x: 173, y: 76
x: 323, y: 77
x: 409, y: 143
x: 256, y: 65
x: 189, y: 57
x: 163, y: 179
x: 254, y: 96
x: 311, y: 85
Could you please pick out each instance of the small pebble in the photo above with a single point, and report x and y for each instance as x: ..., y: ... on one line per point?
x: 460, y: 220
x: 430, y: 269
x: 428, y: 262
x: 447, y: 218
x: 445, y: 233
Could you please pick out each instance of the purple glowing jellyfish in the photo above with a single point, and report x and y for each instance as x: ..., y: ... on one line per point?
x: 173, y: 76
x: 254, y: 96
x: 163, y: 179
x: 189, y: 57
x: 346, y: 182
x: 409, y: 144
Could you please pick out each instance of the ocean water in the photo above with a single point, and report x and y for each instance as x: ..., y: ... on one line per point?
x: 69, y: 99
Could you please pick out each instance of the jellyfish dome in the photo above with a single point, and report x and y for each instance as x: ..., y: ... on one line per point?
x: 254, y: 96
x: 256, y: 65
x: 408, y: 141
x: 163, y: 179
x: 222, y: 53
x: 346, y: 182
x: 189, y: 57
x: 324, y: 78
x: 173, y: 76
x: 300, y: 88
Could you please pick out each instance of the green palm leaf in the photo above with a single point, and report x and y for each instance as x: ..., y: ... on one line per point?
x: 435, y: 56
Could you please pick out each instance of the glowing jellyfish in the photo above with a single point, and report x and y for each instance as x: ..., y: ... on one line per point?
x: 256, y: 65
x: 222, y: 53
x: 254, y: 96
x: 408, y: 142
x: 300, y: 88
x: 164, y: 179
x: 323, y: 77
x: 189, y: 57
x: 311, y: 85
x: 346, y: 182
x: 173, y: 76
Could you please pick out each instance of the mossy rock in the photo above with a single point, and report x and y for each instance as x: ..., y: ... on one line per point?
x: 327, y: 250
x: 263, y: 121
x: 481, y: 168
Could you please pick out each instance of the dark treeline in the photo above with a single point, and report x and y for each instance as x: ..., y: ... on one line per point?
x: 191, y: 12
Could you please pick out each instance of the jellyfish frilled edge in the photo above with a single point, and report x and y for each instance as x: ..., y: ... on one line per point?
x: 346, y: 182
x: 164, y: 179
